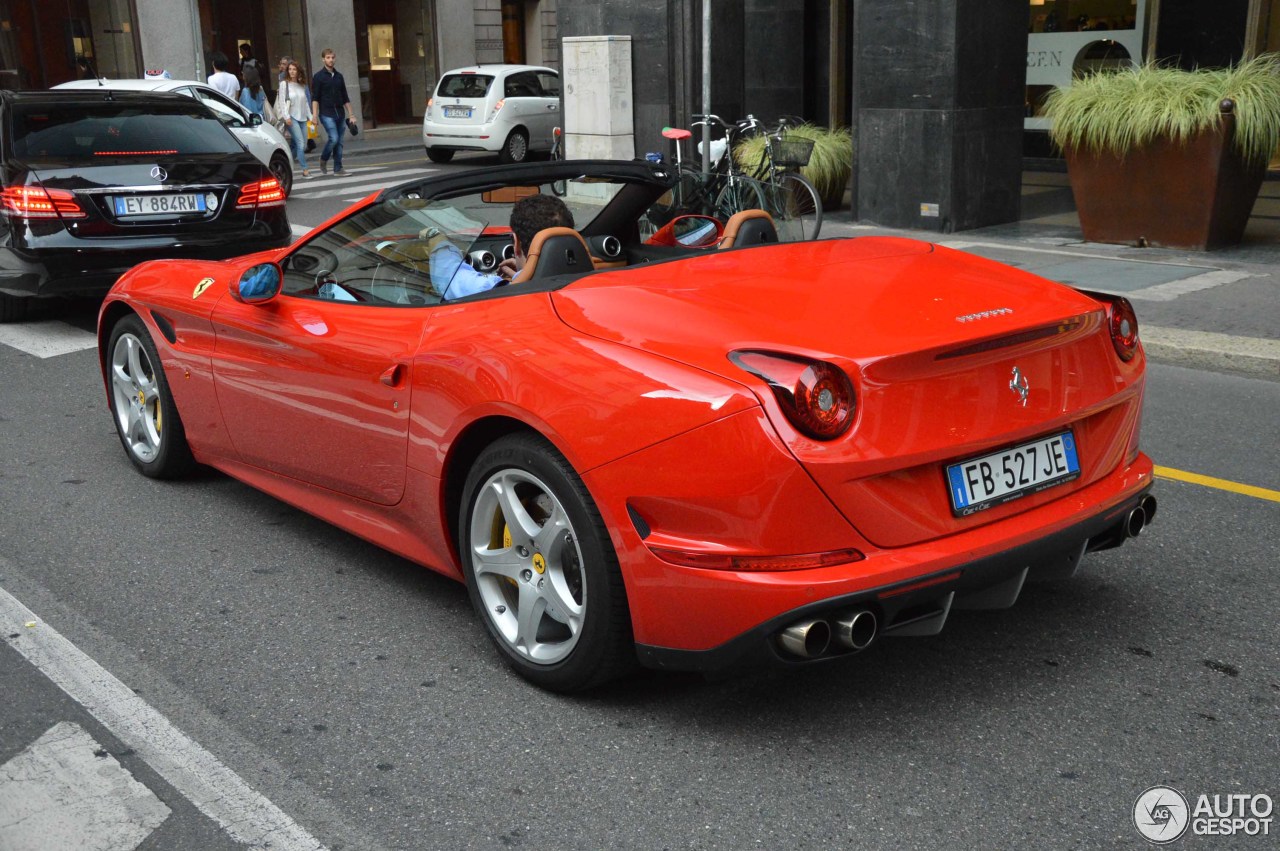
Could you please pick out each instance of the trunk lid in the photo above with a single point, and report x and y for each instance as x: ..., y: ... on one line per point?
x: 112, y: 194
x: 929, y: 337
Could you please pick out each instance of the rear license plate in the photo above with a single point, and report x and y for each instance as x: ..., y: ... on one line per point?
x: 995, y: 479
x: 457, y: 112
x: 134, y: 206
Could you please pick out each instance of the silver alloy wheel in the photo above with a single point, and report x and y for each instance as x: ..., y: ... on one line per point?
x: 517, y: 147
x: 137, y: 398
x: 528, y: 566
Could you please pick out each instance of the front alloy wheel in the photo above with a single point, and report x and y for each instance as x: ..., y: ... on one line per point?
x: 540, y: 567
x: 145, y: 414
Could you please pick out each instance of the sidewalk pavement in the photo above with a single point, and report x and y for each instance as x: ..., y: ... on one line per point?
x: 1216, y: 310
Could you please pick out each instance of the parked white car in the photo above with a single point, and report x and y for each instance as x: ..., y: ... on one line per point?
x: 508, y: 109
x: 262, y: 140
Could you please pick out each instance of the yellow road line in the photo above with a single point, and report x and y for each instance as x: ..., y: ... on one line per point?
x: 1220, y: 484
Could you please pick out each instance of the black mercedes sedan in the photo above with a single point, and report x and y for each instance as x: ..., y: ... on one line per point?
x: 92, y: 183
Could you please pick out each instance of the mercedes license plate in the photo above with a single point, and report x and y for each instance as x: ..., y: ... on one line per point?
x: 133, y: 206
x: 1001, y: 476
x: 457, y: 112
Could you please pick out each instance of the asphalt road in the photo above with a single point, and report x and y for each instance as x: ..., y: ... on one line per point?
x: 358, y: 693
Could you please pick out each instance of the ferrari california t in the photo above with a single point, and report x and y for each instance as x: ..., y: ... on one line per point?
x: 670, y: 442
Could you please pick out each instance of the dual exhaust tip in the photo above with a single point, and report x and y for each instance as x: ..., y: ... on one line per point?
x: 812, y: 637
x: 1140, y: 517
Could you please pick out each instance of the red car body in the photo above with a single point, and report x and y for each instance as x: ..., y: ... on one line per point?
x: 711, y: 495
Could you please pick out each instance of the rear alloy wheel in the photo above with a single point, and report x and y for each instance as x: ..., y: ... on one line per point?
x: 540, y: 568
x: 282, y: 172
x: 146, y: 417
x: 516, y: 148
x: 439, y: 155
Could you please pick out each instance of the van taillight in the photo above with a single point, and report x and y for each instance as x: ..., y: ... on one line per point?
x: 261, y: 193
x: 36, y: 202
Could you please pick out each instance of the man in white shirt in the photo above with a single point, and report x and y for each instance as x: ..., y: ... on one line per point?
x: 223, y: 81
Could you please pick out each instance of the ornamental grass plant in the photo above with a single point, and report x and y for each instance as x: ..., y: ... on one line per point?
x: 1116, y: 112
x: 829, y: 166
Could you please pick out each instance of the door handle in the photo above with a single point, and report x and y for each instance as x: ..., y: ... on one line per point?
x: 394, y: 376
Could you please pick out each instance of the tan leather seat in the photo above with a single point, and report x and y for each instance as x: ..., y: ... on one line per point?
x: 749, y: 227
x: 555, y: 251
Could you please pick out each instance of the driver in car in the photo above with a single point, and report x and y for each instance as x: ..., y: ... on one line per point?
x: 452, y: 277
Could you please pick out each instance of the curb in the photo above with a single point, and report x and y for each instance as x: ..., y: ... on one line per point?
x: 1254, y: 357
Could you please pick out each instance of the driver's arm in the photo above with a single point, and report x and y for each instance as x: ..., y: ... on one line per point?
x: 451, y: 276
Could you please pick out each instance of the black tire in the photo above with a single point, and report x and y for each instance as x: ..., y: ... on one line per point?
x: 150, y: 429
x: 439, y: 155
x: 743, y: 194
x: 516, y: 148
x: 282, y: 170
x: 13, y: 308
x: 796, y: 209
x: 555, y: 565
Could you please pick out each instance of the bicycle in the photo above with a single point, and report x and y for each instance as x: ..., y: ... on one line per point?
x: 792, y: 200
x: 722, y: 190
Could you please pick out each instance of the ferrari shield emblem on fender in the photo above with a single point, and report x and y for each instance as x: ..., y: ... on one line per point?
x: 204, y: 284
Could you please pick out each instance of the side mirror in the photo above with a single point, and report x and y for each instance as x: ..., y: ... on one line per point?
x: 692, y: 231
x: 255, y: 120
x: 258, y: 284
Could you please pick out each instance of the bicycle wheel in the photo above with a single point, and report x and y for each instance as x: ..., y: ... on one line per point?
x: 742, y: 194
x: 796, y: 209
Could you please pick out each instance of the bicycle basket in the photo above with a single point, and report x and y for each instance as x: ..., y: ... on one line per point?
x: 791, y: 152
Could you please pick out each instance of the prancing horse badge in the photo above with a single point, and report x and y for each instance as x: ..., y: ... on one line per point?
x: 1020, y: 385
x: 204, y: 284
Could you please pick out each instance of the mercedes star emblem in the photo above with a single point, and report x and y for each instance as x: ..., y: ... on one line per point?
x: 159, y: 174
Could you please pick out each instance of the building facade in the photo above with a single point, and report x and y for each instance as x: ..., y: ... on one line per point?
x: 390, y: 51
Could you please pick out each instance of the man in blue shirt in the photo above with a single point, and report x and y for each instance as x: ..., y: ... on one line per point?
x: 329, y: 99
x: 452, y: 278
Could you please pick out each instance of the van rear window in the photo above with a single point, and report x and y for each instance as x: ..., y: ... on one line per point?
x: 106, y: 131
x: 464, y: 85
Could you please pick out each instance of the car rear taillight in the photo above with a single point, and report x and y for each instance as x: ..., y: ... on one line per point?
x: 497, y: 107
x: 430, y: 102
x: 260, y: 193
x: 1122, y: 323
x: 1124, y: 328
x: 36, y: 202
x: 816, y: 397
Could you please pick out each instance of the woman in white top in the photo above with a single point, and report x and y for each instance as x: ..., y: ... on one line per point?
x: 293, y: 104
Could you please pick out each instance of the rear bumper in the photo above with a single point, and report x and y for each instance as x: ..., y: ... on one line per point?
x: 455, y: 137
x: 919, y: 605
x: 91, y: 269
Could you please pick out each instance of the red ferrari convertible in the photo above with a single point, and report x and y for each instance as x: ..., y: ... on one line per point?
x: 672, y: 441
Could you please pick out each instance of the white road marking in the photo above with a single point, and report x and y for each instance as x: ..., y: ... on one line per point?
x: 1171, y: 290
x: 64, y: 791
x: 1168, y: 291
x: 964, y: 245
x: 300, y: 230
x: 218, y: 792
x: 47, y: 339
x: 332, y: 187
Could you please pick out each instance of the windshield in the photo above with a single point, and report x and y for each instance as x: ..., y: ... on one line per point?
x: 102, y: 131
x: 464, y: 85
x: 411, y: 251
